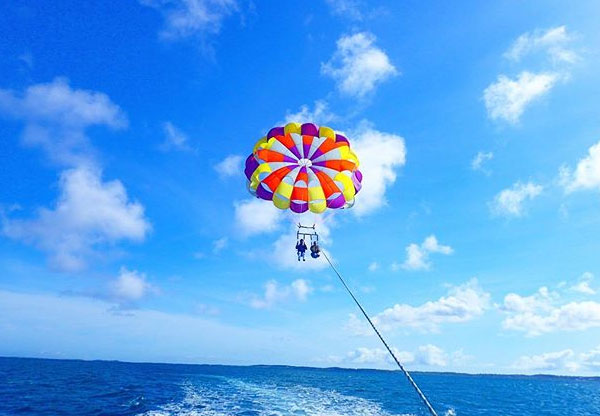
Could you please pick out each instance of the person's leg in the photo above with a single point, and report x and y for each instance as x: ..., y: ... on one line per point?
x: 298, y: 256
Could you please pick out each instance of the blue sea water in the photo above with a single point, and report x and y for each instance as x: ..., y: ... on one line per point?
x: 72, y: 387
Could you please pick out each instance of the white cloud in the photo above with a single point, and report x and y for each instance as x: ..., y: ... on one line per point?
x: 56, y: 117
x: 320, y: 114
x: 373, y: 266
x: 380, y: 155
x: 479, y: 159
x: 175, y: 139
x: 131, y: 286
x: 256, y: 216
x: 230, y: 166
x: 583, y: 285
x: 560, y: 361
x: 591, y: 360
x: 184, y: 18
x: 301, y: 289
x: 219, y: 244
x: 541, y: 300
x: 544, y: 362
x: 274, y: 293
x: 509, y: 202
x: 346, y: 8
x: 357, y: 65
x: 431, y: 355
x: 417, y: 256
x: 427, y: 355
x: 586, y: 174
x: 378, y: 356
x: 462, y: 303
x: 552, y: 42
x: 538, y: 314
x: 89, y: 214
x: 507, y: 98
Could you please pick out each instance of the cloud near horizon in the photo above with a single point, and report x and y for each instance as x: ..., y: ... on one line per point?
x: 462, y: 303
x: 543, y: 313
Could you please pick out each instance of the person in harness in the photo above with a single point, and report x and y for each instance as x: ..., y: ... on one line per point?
x: 301, y: 248
x: 314, y: 250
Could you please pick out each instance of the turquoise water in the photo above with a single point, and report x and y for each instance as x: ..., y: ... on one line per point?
x: 71, y: 387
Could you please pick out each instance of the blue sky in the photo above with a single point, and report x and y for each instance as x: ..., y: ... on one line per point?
x: 127, y: 231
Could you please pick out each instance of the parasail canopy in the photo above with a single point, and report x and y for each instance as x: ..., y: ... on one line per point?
x: 304, y: 167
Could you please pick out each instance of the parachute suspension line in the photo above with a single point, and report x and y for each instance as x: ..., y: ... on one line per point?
x: 406, y: 373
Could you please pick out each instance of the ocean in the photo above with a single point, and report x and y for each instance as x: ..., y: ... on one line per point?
x: 73, y: 387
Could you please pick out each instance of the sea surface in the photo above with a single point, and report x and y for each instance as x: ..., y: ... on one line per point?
x: 72, y: 387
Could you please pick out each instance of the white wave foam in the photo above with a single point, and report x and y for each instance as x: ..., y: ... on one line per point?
x: 236, y: 398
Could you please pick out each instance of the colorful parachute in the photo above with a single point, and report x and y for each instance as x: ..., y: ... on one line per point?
x: 303, y: 167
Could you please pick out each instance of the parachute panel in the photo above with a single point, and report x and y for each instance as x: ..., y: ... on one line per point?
x: 304, y: 167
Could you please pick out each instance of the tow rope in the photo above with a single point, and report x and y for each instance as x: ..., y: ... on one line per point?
x: 406, y: 373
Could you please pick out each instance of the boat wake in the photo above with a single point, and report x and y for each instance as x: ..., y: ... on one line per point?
x: 237, y: 398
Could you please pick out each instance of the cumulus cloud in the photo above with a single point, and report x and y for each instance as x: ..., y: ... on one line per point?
x: 479, y: 159
x: 553, y: 42
x: 175, y: 139
x: 508, y: 98
x: 89, y: 214
x: 463, y: 303
x: 358, y: 66
x: 56, y: 117
x: 319, y: 114
x: 381, y: 155
x: 586, y: 174
x: 543, y: 362
x: 540, y: 313
x: 509, y: 202
x: 591, y: 359
x: 130, y: 286
x: 427, y: 355
x: 184, y: 18
x: 256, y: 216
x: 377, y: 356
x: 583, y: 285
x: 431, y: 355
x: 417, y: 256
x: 275, y: 293
x: 541, y: 300
x: 230, y: 166
x: 560, y: 361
